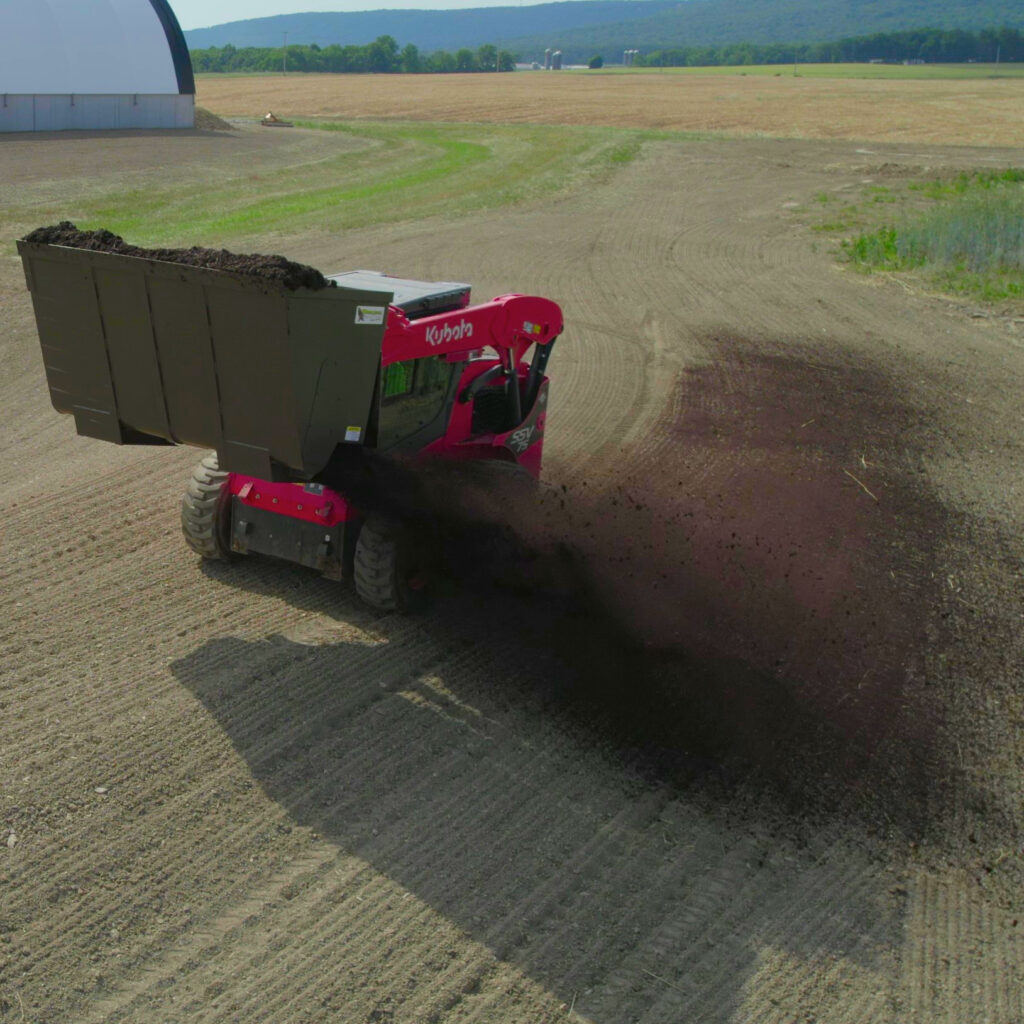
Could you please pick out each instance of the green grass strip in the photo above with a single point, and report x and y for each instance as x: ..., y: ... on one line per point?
x: 379, y: 173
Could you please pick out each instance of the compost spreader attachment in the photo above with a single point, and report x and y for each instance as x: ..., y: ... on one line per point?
x: 296, y: 389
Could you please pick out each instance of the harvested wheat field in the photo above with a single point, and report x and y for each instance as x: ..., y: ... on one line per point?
x: 746, y: 746
x: 978, y: 112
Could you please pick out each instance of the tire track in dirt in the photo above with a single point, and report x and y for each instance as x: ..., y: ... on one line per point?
x: 89, y: 708
x: 167, y: 712
x: 946, y: 967
x: 209, y: 940
x: 415, y: 796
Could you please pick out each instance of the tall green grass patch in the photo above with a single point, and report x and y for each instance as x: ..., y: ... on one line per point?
x: 970, y: 241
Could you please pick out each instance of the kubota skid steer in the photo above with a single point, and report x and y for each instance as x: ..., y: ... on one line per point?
x: 286, y: 385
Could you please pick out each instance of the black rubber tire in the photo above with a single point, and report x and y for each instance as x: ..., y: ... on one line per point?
x: 384, y: 571
x: 206, y: 510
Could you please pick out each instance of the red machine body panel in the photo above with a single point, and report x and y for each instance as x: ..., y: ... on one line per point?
x: 312, y: 503
x: 508, y: 326
x: 510, y: 322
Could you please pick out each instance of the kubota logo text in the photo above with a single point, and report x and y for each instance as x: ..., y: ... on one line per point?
x: 441, y: 335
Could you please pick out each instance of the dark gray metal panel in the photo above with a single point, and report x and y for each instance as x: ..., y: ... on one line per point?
x: 181, y: 333
x: 259, y: 531
x: 97, y: 423
x: 247, y: 459
x: 71, y: 336
x: 335, y: 369
x: 253, y: 360
x: 138, y: 389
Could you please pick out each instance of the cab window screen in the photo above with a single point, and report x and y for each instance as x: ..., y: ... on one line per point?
x: 398, y: 378
x: 412, y: 395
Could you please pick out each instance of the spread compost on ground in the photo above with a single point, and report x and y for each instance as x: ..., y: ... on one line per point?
x: 272, y: 268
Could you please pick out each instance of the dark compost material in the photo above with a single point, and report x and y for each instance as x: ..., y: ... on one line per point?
x: 271, y: 268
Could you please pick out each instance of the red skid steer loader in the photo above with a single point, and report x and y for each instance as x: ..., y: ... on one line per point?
x: 286, y: 384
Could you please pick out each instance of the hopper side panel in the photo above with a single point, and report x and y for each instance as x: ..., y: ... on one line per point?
x: 253, y: 355
x: 335, y: 372
x: 188, y: 371
x: 71, y: 338
x: 131, y: 347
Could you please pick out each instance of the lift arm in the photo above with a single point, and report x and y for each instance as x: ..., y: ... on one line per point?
x: 509, y: 323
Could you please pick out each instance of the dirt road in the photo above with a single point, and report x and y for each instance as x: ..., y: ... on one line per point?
x: 759, y: 759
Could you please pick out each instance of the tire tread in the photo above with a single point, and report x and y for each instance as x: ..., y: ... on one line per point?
x: 202, y: 508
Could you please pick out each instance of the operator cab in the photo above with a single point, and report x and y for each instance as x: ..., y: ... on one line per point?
x: 416, y: 395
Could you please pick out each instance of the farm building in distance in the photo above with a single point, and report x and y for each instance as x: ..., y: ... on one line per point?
x: 90, y: 64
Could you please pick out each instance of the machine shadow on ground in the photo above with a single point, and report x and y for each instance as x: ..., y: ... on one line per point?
x: 524, y: 818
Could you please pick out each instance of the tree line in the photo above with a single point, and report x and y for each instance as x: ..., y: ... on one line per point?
x: 382, y: 56
x: 934, y: 45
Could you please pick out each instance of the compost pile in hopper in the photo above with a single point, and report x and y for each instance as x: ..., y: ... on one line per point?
x: 272, y: 268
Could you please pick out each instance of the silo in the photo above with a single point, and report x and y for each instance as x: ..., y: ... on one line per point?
x: 547, y: 59
x: 556, y: 60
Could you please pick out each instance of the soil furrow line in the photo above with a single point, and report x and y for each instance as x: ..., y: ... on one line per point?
x: 211, y: 934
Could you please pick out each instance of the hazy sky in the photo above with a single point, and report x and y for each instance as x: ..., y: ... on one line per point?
x: 203, y: 13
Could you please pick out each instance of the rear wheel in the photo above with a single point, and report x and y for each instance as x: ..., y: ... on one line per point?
x: 388, y: 575
x: 206, y: 510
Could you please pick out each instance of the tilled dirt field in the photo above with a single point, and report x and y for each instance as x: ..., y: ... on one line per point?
x: 751, y: 752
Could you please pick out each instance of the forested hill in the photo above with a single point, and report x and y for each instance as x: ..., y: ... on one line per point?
x: 584, y: 27
x: 721, y: 22
x: 428, y: 30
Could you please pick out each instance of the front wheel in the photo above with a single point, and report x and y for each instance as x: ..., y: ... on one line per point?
x: 388, y: 574
x: 206, y: 510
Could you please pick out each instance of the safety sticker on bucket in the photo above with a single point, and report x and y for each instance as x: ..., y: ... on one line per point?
x: 370, y: 314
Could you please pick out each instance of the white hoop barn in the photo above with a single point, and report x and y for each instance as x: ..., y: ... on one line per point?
x: 89, y: 64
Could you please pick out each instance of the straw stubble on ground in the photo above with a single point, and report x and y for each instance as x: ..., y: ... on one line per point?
x: 981, y: 113
x: 758, y: 759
